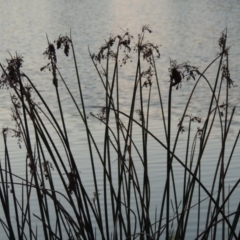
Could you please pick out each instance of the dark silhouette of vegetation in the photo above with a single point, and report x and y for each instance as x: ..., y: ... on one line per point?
x: 121, y: 208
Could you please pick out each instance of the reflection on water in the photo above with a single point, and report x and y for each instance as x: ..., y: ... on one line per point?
x: 186, y: 30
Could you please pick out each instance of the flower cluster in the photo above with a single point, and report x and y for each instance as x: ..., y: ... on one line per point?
x: 72, y: 178
x: 226, y: 76
x: 146, y: 48
x: 46, y: 168
x: 11, y: 74
x: 63, y: 42
x: 178, y: 72
x: 148, y: 74
x: 50, y: 52
x: 106, y: 50
x: 101, y: 115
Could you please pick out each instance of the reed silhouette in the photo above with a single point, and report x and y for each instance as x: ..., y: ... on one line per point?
x: 121, y: 208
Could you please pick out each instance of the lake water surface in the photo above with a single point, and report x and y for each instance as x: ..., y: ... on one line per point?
x: 187, y: 30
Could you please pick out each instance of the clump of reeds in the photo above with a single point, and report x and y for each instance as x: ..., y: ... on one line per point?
x: 122, y: 208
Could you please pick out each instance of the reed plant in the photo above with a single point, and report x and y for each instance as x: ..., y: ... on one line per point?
x: 121, y: 205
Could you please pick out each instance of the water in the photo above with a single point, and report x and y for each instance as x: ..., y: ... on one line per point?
x: 186, y: 30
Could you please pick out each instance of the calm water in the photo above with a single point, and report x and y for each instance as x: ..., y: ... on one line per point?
x: 186, y: 30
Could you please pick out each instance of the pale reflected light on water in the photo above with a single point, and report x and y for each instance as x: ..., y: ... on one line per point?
x: 186, y: 30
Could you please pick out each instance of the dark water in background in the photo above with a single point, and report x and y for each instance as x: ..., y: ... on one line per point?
x: 186, y: 30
